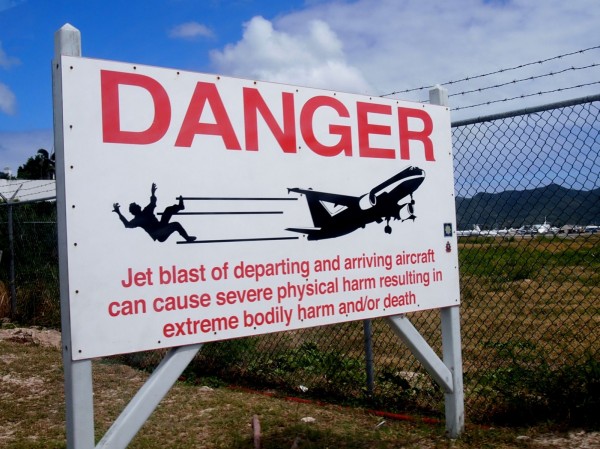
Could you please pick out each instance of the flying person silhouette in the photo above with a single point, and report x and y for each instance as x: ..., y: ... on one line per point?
x: 144, y: 218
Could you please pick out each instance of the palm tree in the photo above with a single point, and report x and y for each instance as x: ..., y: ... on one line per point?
x: 47, y: 164
x: 40, y: 166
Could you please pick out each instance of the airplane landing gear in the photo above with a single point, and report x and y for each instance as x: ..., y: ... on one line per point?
x: 388, y: 228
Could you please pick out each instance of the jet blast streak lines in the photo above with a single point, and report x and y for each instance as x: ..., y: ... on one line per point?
x: 237, y: 198
x: 234, y: 212
x: 257, y: 239
x: 258, y: 212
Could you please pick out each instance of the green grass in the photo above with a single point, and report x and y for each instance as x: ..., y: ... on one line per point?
x: 32, y: 414
x: 529, y: 311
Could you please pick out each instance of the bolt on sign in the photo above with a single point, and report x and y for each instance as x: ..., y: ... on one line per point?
x: 201, y: 207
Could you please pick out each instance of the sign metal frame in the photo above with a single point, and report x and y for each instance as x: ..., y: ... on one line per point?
x: 447, y: 372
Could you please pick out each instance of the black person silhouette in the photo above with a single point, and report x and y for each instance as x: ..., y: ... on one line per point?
x: 144, y: 218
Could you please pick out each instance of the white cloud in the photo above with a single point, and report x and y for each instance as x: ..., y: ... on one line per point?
x: 8, y: 4
x: 383, y: 46
x: 312, y: 56
x: 8, y: 101
x: 6, y: 61
x: 190, y: 30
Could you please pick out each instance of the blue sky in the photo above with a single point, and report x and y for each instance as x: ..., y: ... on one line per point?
x: 365, y: 46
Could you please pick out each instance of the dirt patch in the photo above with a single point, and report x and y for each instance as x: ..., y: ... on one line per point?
x: 572, y: 440
x: 32, y: 383
x: 42, y: 337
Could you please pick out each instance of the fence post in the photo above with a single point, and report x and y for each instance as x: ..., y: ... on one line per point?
x: 368, y: 331
x: 11, y: 254
x: 451, y: 342
x: 11, y: 262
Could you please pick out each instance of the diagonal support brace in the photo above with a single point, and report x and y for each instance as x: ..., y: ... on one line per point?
x: 411, y: 337
x: 141, y: 406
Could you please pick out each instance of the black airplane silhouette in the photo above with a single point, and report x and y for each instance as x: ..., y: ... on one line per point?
x: 335, y: 215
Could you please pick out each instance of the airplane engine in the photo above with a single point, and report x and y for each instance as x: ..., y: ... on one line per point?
x: 407, y: 211
x: 367, y: 201
x: 372, y: 198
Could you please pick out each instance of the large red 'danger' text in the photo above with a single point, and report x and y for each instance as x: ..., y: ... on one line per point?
x: 369, y: 120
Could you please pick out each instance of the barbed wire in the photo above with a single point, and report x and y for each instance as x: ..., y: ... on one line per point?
x: 519, y: 97
x: 529, y: 78
x: 483, y: 75
x: 31, y: 189
x: 38, y: 192
x: 22, y: 182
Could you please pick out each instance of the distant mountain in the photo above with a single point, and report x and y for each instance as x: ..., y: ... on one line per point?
x: 515, y: 208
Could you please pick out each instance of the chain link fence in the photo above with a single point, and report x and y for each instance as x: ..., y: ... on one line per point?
x: 528, y: 200
x: 530, y: 260
x: 31, y: 247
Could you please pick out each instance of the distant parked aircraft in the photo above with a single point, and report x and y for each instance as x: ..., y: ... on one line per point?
x: 545, y: 228
x: 467, y: 233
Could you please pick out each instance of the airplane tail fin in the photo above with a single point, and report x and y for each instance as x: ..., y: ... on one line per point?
x: 322, y: 206
x: 320, y: 214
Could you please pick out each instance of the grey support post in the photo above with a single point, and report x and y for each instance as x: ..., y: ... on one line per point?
x: 447, y: 372
x: 452, y: 354
x: 78, y: 374
x: 451, y: 342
